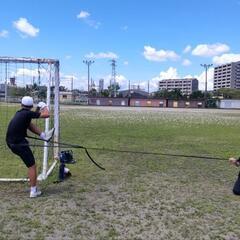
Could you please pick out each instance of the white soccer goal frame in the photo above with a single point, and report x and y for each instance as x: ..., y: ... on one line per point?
x: 55, y: 63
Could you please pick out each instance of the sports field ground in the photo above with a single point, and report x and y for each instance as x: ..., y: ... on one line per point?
x: 139, y: 196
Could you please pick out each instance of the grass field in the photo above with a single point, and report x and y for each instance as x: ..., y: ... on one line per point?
x: 138, y: 196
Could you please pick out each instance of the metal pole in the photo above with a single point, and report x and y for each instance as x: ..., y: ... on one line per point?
x: 6, y: 77
x: 88, y: 66
x: 47, y: 122
x: 71, y: 84
x: 72, y: 89
x: 56, y: 108
x: 205, y: 83
x: 148, y: 88
x: 88, y: 63
x: 206, y: 67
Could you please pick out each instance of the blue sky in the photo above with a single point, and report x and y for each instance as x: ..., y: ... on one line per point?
x: 150, y: 40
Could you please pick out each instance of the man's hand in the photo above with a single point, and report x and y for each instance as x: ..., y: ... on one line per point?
x: 41, y: 105
x: 234, y: 161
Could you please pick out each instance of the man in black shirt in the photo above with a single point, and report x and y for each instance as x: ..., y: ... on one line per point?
x: 17, y: 133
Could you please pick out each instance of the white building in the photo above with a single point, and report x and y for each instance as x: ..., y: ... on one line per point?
x: 186, y: 85
x: 227, y: 76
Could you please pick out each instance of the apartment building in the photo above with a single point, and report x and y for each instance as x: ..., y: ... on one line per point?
x: 186, y: 85
x: 227, y: 76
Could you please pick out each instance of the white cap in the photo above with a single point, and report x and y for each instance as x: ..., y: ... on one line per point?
x: 27, y: 101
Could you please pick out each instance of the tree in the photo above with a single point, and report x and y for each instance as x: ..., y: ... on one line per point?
x: 112, y: 88
x: 105, y: 93
x: 175, y: 94
x: 197, y: 95
x: 230, y: 93
x: 62, y: 89
x: 161, y: 94
x: 93, y: 92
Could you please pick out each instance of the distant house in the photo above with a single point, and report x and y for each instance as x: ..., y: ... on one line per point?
x: 65, y: 97
x: 2, y: 90
x: 80, y: 97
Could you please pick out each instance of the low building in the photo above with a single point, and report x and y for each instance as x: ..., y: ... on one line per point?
x: 65, y: 97
x: 186, y: 85
x: 2, y: 90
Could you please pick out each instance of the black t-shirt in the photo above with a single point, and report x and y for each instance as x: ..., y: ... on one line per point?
x: 17, y: 128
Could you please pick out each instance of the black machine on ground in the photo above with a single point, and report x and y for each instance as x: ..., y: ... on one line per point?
x: 65, y: 157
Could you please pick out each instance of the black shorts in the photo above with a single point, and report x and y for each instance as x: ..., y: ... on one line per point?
x: 24, y: 152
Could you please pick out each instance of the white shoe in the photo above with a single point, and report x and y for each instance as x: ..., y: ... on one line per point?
x: 49, y: 134
x: 35, y: 194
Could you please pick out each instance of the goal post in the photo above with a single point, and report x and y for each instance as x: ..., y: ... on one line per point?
x: 39, y: 78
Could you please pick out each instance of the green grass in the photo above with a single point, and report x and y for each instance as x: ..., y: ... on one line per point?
x: 138, y: 196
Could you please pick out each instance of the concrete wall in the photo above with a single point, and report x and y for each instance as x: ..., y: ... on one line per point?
x: 147, y: 102
x: 229, y: 103
x: 186, y: 103
x: 108, y: 101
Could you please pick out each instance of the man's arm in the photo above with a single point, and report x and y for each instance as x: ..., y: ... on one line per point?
x: 34, y: 129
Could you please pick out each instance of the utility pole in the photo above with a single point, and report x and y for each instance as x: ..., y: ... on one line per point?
x: 72, y: 89
x: 88, y: 63
x: 6, y: 86
x: 39, y: 75
x: 148, y: 89
x: 113, y: 64
x: 129, y: 88
x: 206, y: 67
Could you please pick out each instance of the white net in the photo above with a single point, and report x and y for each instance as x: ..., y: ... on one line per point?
x: 38, y: 78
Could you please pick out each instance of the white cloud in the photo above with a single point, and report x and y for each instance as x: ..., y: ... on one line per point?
x: 83, y: 14
x: 171, y: 73
x: 125, y: 28
x: 210, y: 50
x: 201, y: 80
x: 100, y: 55
x: 226, y: 58
x: 121, y: 79
x: 4, y: 34
x: 68, y: 77
x: 23, y: 26
x: 187, y: 49
x: 26, y: 72
x: 29, y: 75
x: 67, y: 80
x: 125, y: 63
x: 152, y: 54
x: 186, y: 62
x: 68, y: 57
x: 85, y: 17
